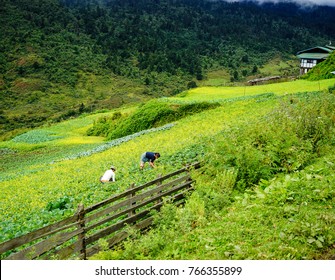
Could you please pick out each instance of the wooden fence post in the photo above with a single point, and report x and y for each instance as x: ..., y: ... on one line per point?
x: 81, y: 236
x: 132, y: 212
x: 158, y: 184
x: 188, y: 172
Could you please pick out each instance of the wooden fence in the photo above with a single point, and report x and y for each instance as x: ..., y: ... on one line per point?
x: 76, y: 237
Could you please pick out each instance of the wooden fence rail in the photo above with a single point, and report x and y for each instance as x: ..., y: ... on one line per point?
x: 77, y: 236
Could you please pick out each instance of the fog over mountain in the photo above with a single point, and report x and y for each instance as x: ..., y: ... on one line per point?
x: 300, y: 2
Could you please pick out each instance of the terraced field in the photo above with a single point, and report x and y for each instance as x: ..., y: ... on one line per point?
x: 60, y: 165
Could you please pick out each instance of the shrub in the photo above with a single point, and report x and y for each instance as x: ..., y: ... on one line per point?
x: 147, y: 116
x: 150, y: 115
x: 191, y: 84
x: 62, y: 203
x: 331, y: 89
x: 104, y: 124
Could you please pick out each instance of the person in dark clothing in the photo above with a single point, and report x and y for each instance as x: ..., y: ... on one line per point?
x: 149, y: 157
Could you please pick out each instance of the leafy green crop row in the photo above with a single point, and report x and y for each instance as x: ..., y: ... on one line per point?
x: 36, y: 136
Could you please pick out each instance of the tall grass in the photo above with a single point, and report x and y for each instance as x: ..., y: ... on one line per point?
x: 266, y: 191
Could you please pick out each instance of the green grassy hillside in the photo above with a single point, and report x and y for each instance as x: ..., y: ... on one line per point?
x: 322, y: 70
x: 266, y: 189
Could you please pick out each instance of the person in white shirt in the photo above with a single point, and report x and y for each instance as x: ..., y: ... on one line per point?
x: 109, y: 175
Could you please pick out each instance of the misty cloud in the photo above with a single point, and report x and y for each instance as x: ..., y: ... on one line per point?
x: 300, y: 2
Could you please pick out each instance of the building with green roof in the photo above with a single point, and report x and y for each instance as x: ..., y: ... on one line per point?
x: 310, y: 57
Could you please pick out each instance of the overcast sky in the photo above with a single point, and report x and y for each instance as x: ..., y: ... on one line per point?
x: 303, y: 2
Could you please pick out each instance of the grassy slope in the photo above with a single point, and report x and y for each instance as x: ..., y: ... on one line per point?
x: 43, y: 177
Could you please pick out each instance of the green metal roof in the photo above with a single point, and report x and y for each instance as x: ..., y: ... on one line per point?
x: 330, y: 47
x: 327, y: 49
x: 317, y: 49
x: 313, y: 55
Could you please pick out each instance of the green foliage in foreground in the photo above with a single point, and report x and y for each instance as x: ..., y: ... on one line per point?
x: 284, y: 141
x: 322, y: 70
x: 152, y: 114
x: 266, y: 191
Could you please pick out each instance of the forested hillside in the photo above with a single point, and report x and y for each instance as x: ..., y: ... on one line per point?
x: 62, y: 58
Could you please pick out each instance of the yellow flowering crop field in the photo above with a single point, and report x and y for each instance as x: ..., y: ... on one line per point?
x: 220, y: 93
x: 60, y: 165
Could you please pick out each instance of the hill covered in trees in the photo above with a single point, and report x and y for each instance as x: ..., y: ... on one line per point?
x: 62, y: 58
